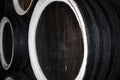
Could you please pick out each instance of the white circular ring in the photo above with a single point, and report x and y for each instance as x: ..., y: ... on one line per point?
x: 18, y: 8
x: 41, y: 5
x: 9, y: 78
x: 5, y: 65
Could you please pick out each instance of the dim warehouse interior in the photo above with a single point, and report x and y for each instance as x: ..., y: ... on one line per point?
x: 59, y: 39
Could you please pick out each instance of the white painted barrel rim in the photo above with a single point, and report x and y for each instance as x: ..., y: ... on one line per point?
x: 5, y: 65
x: 9, y: 78
x: 41, y: 5
x: 18, y: 8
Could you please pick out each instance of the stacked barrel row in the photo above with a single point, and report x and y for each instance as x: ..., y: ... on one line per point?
x: 15, y: 63
x: 59, y: 40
